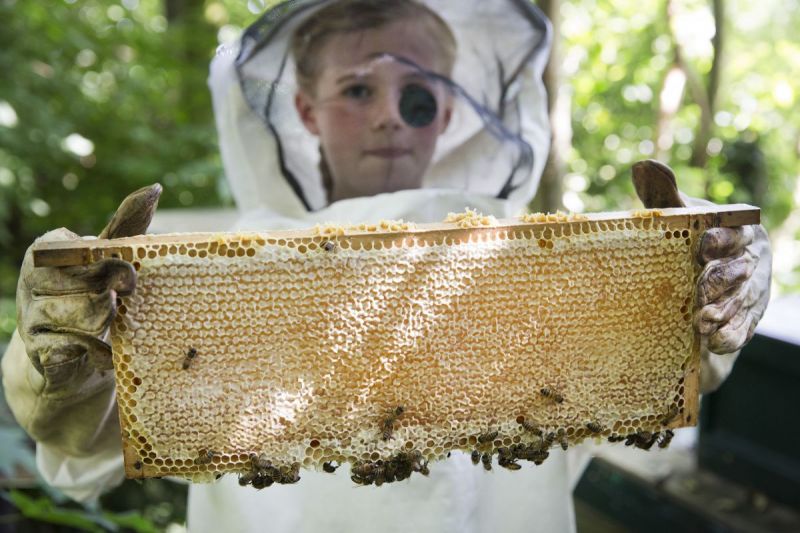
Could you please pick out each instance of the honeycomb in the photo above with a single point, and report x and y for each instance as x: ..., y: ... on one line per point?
x: 387, y: 347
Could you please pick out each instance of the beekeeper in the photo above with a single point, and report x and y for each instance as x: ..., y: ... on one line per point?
x: 349, y: 111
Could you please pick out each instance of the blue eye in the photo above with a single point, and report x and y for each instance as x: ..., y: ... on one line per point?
x: 357, y: 92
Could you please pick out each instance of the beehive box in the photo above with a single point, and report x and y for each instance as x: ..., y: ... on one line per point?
x: 256, y: 353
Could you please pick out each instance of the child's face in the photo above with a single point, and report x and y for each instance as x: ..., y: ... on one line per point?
x: 355, y: 110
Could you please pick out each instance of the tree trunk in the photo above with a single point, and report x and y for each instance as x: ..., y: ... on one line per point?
x: 548, y: 197
x: 190, y: 41
x: 179, y: 10
x: 699, y: 151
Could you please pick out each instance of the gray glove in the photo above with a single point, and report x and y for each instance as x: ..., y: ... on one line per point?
x: 733, y: 288
x: 64, y: 314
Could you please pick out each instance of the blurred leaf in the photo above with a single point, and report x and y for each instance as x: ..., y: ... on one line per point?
x: 43, y: 510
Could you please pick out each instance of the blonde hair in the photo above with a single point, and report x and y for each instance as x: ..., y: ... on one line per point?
x: 346, y: 16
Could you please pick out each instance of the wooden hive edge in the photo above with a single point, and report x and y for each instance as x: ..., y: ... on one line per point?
x: 84, y: 252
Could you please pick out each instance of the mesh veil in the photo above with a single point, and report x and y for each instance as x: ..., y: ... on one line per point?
x: 495, y: 144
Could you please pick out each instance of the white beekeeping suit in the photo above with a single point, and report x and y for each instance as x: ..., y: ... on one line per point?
x: 502, y: 50
x: 490, y: 158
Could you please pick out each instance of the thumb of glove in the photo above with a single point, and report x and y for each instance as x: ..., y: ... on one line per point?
x: 63, y: 313
x: 656, y: 185
x: 134, y: 214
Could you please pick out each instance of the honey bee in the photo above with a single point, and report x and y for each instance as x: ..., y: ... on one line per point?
x: 328, y: 467
x: 510, y: 464
x: 552, y: 393
x: 616, y: 438
x: 642, y: 439
x: 416, y: 464
x: 671, y: 415
x: 289, y: 475
x: 645, y: 443
x: 548, y: 440
x: 666, y: 438
x: 401, y: 467
x: 260, y: 462
x: 187, y: 361
x: 486, y: 459
x: 532, y: 426
x: 363, y: 469
x: 388, y: 422
x: 489, y: 436
x: 402, y: 464
x: 367, y: 473
x: 247, y: 478
x: 204, y: 457
x: 517, y: 449
x: 503, y: 453
x: 328, y: 246
x: 562, y: 439
x: 595, y: 427
x: 534, y: 454
x: 262, y: 481
x: 476, y: 457
x: 390, y: 470
x: 507, y: 459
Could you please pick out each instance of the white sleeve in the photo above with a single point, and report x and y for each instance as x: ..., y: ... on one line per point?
x: 83, y: 479
x: 78, y: 448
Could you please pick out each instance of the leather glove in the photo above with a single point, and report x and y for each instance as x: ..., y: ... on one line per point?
x: 64, y: 314
x: 733, y: 288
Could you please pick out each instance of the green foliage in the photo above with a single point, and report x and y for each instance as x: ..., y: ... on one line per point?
x: 158, y: 501
x: 616, y: 56
x: 103, y: 99
x: 42, y: 509
x: 8, y: 315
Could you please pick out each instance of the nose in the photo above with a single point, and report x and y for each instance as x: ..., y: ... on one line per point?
x: 386, y: 113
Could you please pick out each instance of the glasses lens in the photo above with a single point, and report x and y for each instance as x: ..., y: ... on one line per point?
x: 417, y: 106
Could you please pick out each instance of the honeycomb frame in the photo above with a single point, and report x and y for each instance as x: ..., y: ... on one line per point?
x: 365, y: 344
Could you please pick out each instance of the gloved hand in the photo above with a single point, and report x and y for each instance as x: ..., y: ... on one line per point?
x: 64, y: 314
x: 733, y: 288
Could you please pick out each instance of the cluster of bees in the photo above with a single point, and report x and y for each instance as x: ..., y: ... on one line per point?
x: 400, y: 466
x: 507, y: 457
x: 537, y: 452
x: 645, y: 439
x: 263, y: 473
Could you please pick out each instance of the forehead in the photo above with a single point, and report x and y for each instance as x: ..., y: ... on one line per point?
x: 409, y: 39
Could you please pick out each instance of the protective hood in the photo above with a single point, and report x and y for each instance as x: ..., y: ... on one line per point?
x: 493, y: 149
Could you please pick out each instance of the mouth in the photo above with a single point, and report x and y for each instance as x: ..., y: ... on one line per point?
x: 388, y: 152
